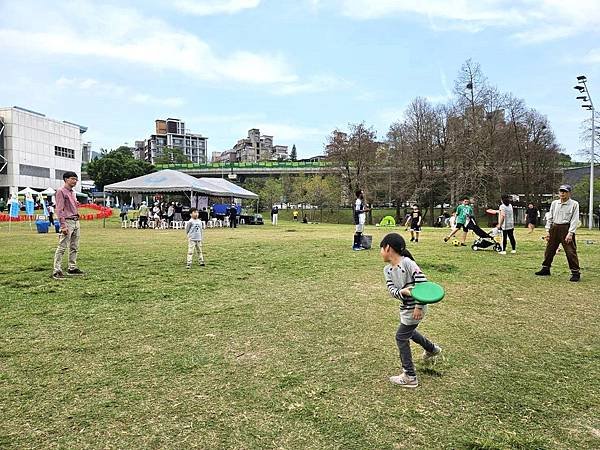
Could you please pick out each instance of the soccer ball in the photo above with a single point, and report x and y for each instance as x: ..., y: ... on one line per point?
x: 456, y: 242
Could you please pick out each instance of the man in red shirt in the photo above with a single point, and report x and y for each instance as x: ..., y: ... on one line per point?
x: 68, y: 217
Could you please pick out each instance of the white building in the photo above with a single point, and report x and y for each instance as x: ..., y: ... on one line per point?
x: 37, y: 150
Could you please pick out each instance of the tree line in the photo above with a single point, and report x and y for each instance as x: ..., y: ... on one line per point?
x: 481, y: 142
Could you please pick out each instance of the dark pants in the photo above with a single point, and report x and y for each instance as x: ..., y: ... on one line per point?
x: 511, y: 236
x: 403, y: 336
x: 143, y: 222
x: 558, y: 233
x: 232, y: 222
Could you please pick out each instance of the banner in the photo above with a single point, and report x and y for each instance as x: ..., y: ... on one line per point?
x: 29, y: 205
x: 14, y: 207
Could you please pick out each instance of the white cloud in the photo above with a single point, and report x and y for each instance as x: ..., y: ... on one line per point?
x: 534, y: 21
x: 122, y: 34
x: 117, y: 91
x: 593, y: 56
x: 319, y: 83
x: 212, y: 7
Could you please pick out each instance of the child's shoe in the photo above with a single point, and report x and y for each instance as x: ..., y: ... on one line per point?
x: 430, y: 356
x: 188, y: 266
x: 202, y: 264
x: 405, y: 380
x: 513, y: 251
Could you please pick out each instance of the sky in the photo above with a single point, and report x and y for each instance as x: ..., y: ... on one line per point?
x: 296, y: 70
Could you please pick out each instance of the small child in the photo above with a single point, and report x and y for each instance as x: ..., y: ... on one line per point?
x: 193, y: 229
x: 401, y: 274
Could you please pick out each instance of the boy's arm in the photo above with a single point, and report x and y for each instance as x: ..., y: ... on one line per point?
x: 188, y: 224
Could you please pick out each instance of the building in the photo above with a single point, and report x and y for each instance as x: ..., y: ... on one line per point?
x: 171, y: 133
x: 37, y: 150
x: 255, y: 147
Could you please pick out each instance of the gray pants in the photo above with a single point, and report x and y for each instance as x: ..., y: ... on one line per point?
x: 403, y: 336
x: 71, y: 239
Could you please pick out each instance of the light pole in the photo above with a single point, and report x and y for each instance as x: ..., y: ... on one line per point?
x: 586, y: 97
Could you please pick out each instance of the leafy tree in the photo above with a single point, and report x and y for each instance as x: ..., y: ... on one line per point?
x: 172, y: 155
x: 294, y: 153
x: 581, y: 193
x: 116, y: 165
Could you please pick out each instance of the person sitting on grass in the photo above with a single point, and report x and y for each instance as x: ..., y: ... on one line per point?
x: 401, y: 273
x: 193, y: 229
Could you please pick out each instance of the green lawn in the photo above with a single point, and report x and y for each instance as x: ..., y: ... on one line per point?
x: 286, y: 340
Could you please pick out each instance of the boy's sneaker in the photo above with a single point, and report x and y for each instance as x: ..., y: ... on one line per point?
x: 202, y: 264
x: 405, y: 380
x: 502, y: 252
x: 75, y: 271
x: 357, y: 249
x: 513, y: 251
x: 430, y: 356
x: 188, y: 266
x: 412, y: 239
x: 462, y: 244
x: 446, y: 239
x: 58, y: 276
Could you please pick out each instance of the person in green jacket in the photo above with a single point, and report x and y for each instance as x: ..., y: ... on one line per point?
x: 464, y: 212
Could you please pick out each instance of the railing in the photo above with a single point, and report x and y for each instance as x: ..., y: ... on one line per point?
x: 250, y: 165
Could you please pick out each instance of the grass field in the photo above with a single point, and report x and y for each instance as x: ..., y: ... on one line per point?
x: 286, y: 340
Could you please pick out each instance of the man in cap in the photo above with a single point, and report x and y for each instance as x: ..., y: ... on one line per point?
x: 560, y: 227
x: 68, y: 217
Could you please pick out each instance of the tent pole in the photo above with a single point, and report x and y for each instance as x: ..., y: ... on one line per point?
x: 103, y: 215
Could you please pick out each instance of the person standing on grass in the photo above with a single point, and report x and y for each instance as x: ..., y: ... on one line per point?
x: 360, y: 217
x: 561, y: 224
x: 506, y: 223
x: 233, y: 216
x: 464, y: 212
x: 401, y: 274
x: 274, y: 214
x: 415, y: 224
x: 193, y: 229
x: 68, y: 217
x: 143, y: 215
x: 532, y: 214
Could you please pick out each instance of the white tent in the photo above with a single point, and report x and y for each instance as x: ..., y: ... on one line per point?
x: 49, y: 191
x: 169, y: 180
x: 27, y: 190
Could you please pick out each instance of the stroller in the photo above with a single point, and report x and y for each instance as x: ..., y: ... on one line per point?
x: 484, y: 241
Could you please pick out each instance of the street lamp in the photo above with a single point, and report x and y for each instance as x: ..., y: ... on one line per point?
x: 582, y: 88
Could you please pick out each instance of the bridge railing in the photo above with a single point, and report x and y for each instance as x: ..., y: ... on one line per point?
x: 250, y: 165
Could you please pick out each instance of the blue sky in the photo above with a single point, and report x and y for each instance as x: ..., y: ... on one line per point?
x: 294, y: 69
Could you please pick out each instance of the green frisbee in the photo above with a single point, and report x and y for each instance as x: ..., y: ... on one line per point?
x: 427, y: 292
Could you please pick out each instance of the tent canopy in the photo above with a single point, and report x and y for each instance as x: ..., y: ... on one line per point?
x: 48, y: 191
x: 169, y: 180
x: 27, y: 190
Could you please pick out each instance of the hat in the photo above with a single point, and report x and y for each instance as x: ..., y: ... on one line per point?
x: 565, y: 187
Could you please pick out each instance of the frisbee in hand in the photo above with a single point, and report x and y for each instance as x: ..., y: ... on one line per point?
x: 427, y: 292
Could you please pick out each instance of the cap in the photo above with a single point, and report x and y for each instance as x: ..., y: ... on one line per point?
x: 565, y: 187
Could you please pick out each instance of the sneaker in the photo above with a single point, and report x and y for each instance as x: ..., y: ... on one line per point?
x: 58, y: 276
x: 405, y: 380
x: 545, y: 271
x: 502, y: 252
x: 430, y: 356
x: 446, y: 239
x: 575, y: 276
x: 202, y: 264
x: 462, y: 244
x: 357, y: 249
x: 75, y: 271
x: 412, y: 239
x: 513, y: 251
x: 188, y: 266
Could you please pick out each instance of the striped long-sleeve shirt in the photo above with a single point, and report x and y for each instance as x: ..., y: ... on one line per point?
x: 406, y: 274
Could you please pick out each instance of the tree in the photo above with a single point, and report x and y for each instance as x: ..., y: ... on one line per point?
x: 294, y: 153
x: 172, y: 155
x: 581, y: 193
x: 355, y: 155
x: 116, y: 165
x: 271, y: 192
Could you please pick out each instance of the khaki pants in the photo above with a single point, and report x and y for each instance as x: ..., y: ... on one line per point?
x: 194, y: 246
x: 71, y: 239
